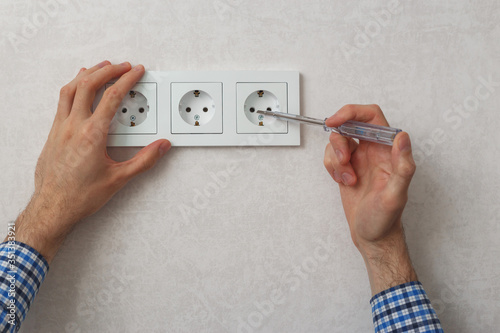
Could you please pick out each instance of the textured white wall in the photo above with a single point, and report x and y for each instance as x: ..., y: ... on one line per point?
x: 140, y: 266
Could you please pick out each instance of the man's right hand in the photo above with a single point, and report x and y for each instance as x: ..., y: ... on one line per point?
x: 374, y: 181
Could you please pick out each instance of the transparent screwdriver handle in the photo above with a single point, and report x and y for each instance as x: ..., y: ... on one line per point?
x: 366, y: 132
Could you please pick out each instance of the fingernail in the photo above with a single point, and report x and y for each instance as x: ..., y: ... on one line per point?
x: 102, y: 64
x: 346, y: 178
x: 164, y: 147
x: 139, y: 68
x: 126, y: 63
x: 340, y: 155
x: 404, y: 143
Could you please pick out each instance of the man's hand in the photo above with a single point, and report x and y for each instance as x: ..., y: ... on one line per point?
x: 374, y: 181
x: 74, y: 176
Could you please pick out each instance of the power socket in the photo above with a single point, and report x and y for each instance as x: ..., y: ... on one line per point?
x: 252, y: 97
x: 216, y: 108
x: 137, y: 114
x: 133, y: 110
x: 196, y: 108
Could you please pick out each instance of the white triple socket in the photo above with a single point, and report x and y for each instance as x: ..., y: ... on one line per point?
x: 208, y: 109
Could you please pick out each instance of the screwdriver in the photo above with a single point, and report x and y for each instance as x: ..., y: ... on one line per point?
x: 350, y: 129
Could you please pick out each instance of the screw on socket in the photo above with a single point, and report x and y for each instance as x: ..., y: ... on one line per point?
x: 196, y: 93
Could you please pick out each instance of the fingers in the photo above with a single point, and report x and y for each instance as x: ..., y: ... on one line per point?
x: 403, y: 168
x: 329, y: 164
x: 342, y: 173
x: 144, y: 160
x: 66, y: 96
x: 114, y: 95
x: 88, y: 86
x: 67, y: 93
x: 343, y: 147
x: 364, y: 113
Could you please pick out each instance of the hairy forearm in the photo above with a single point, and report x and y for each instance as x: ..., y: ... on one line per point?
x: 388, y: 262
x: 42, y: 227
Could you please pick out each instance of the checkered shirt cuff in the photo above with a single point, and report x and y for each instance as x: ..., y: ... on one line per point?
x: 404, y: 308
x: 22, y: 271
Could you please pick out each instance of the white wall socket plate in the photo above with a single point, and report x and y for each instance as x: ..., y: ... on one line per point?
x: 215, y: 108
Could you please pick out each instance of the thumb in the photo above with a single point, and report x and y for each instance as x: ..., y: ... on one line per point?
x: 403, y: 167
x: 146, y: 158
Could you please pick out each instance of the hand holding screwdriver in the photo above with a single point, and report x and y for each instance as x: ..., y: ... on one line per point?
x: 373, y: 181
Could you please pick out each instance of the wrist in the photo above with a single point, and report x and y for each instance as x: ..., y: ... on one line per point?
x: 42, y: 227
x: 388, y: 262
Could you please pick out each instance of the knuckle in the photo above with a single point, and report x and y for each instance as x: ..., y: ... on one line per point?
x: 87, y: 130
x: 85, y: 83
x: 112, y: 92
x: 107, y: 69
x: 335, y: 164
x: 335, y: 176
x: 391, y: 202
x: 327, y: 162
x: 377, y: 110
x: 65, y: 91
x: 338, y: 140
x: 376, y: 107
x: 117, y: 179
x: 407, y: 169
x: 66, y: 134
x: 146, y: 165
x: 100, y: 126
x: 334, y: 139
x: 91, y: 134
x: 349, y: 107
x: 327, y: 149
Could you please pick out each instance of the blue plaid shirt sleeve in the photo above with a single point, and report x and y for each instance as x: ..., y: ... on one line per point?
x: 22, y: 271
x: 404, y: 308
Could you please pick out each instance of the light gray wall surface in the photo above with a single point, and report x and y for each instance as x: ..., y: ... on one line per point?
x: 141, y: 265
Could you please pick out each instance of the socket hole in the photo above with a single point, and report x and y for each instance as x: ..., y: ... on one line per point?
x: 205, y: 109
x: 252, y: 110
x: 269, y: 109
x: 188, y: 109
x: 141, y: 110
x: 124, y: 110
